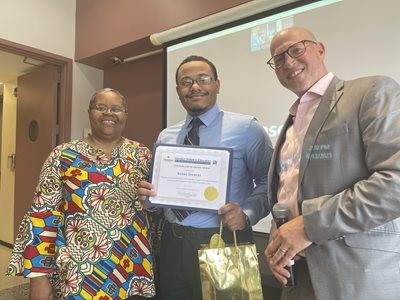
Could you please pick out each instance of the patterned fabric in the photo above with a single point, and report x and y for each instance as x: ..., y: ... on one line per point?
x: 86, y: 228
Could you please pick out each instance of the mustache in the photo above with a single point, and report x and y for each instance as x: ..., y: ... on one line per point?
x: 197, y: 94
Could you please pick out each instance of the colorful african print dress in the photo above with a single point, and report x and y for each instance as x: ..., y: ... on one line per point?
x: 86, y: 229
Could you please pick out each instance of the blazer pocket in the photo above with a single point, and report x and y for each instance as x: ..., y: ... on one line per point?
x: 374, y: 240
x: 331, y: 132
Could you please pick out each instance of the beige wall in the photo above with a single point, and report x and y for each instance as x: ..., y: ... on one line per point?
x: 141, y: 83
x: 7, y: 174
x: 102, y: 25
x: 49, y: 26
x: 122, y: 28
x: 85, y: 81
x: 46, y: 24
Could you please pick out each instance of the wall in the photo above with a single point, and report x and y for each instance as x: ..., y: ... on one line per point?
x: 86, y: 80
x: 46, y: 24
x: 102, y: 25
x: 104, y: 29
x: 141, y: 83
x: 49, y: 26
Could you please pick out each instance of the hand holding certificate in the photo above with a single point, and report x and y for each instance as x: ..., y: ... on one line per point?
x: 191, y: 177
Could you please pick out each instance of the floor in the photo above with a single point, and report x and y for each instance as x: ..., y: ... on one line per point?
x: 7, y: 282
x: 270, y: 288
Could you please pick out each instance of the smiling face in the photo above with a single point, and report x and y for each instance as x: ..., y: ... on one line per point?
x: 107, y: 125
x: 301, y: 73
x: 197, y: 98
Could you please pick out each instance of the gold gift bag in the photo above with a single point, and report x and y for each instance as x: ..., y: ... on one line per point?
x: 229, y: 272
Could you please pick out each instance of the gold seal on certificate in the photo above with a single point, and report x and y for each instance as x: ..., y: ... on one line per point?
x: 211, y: 193
x: 191, y: 176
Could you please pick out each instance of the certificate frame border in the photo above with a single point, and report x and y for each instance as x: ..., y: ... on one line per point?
x: 228, y: 182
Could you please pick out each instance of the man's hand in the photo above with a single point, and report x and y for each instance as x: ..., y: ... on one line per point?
x: 40, y: 288
x: 234, y: 217
x: 284, y: 245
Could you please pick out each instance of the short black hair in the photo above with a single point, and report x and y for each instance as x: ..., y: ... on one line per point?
x: 93, y: 99
x: 197, y: 58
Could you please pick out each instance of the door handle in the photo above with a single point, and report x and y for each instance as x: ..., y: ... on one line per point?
x: 11, y: 162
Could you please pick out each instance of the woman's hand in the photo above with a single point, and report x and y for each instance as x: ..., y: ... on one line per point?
x: 41, y: 289
x: 145, y: 189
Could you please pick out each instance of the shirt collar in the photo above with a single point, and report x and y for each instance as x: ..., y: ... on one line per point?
x: 316, y: 91
x: 206, y: 117
x: 321, y: 85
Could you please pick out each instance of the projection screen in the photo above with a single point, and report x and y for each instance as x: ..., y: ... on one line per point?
x: 360, y: 36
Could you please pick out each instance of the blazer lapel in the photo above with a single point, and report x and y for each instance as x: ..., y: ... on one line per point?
x: 328, y: 102
x: 273, y: 175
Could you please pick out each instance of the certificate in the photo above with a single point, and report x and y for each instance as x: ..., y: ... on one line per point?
x: 191, y: 176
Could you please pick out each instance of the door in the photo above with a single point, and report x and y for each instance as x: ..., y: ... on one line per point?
x: 36, y: 132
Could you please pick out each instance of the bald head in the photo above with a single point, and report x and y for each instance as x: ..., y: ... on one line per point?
x: 298, y: 59
x: 292, y: 33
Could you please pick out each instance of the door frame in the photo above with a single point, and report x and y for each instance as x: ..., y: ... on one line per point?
x: 65, y: 87
x: 65, y: 97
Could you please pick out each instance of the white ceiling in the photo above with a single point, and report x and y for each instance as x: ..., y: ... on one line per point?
x: 12, y: 66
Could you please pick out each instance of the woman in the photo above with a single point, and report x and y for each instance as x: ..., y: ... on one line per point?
x: 86, y: 235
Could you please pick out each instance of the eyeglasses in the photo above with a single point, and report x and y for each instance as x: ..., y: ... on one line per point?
x: 201, y: 80
x: 294, y: 51
x: 104, y: 108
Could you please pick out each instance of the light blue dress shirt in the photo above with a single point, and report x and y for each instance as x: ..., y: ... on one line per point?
x: 252, y: 151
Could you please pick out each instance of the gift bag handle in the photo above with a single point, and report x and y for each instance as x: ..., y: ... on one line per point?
x: 221, y: 226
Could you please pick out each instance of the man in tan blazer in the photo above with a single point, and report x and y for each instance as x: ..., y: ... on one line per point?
x: 337, y: 168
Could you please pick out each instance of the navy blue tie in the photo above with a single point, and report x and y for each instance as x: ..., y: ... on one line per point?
x: 191, y: 138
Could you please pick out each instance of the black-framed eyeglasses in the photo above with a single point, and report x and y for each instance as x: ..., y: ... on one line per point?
x: 201, y: 80
x: 112, y: 109
x: 294, y: 51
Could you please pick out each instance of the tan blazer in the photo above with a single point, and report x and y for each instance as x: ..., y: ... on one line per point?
x: 349, y: 190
